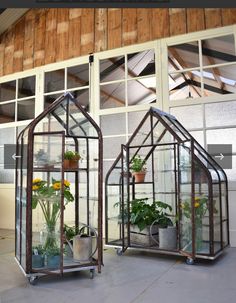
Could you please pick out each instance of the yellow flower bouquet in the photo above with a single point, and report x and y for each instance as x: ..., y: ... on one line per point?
x: 48, y: 196
x: 200, y: 208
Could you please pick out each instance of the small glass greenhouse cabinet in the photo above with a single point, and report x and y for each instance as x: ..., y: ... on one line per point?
x: 58, y: 182
x: 181, y: 207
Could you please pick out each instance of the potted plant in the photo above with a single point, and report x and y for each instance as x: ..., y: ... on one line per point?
x: 71, y: 159
x: 138, y: 169
x: 37, y: 256
x: 53, y: 256
x: 145, y: 220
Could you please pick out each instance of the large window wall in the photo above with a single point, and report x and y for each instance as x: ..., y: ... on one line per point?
x: 192, y: 76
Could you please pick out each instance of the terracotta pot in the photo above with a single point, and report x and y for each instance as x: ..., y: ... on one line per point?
x: 70, y: 164
x: 139, y: 176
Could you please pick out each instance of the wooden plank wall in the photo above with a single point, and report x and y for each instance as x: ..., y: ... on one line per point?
x: 44, y: 36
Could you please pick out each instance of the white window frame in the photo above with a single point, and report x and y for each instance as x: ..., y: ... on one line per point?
x: 197, y: 36
x: 39, y: 73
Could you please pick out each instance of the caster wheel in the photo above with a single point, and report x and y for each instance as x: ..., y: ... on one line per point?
x: 91, y: 274
x: 190, y: 261
x: 119, y: 252
x: 33, y: 280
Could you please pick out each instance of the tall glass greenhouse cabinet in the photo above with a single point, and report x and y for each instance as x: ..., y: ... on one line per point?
x: 59, y: 188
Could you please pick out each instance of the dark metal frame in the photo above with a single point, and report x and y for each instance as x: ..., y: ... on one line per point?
x: 198, y: 157
x: 26, y: 264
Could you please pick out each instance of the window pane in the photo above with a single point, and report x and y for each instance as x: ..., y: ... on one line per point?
x: 25, y: 109
x: 218, y: 50
x: 185, y: 85
x: 54, y: 81
x: 106, y: 166
x: 26, y: 87
x: 141, y: 63
x: 78, y: 76
x: 6, y: 137
x: 198, y: 135
x: 7, y: 112
x: 112, y: 146
x: 19, y: 129
x: 112, y: 95
x: 220, y: 114
x: 189, y: 116
x: 82, y: 96
x: 219, y: 80
x: 113, y: 124
x: 139, y: 93
x: 134, y: 118
x: 7, y: 91
x: 222, y: 136
x: 50, y: 99
x: 112, y: 69
x: 231, y: 173
x: 183, y: 56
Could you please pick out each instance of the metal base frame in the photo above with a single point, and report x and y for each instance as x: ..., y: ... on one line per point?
x: 91, y: 268
x: 165, y: 252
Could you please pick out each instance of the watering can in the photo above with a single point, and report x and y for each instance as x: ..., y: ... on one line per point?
x: 83, y: 244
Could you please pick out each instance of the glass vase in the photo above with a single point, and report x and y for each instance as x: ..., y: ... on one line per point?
x: 49, y: 236
x: 198, y: 237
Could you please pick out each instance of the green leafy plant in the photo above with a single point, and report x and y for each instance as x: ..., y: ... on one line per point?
x: 164, y: 217
x: 144, y: 214
x: 71, y: 155
x: 52, y: 251
x: 48, y: 197
x: 138, y: 164
x: 69, y: 232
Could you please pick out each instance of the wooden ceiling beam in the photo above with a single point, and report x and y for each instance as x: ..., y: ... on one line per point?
x: 132, y: 74
x: 85, y: 83
x: 215, y: 70
x: 184, y: 65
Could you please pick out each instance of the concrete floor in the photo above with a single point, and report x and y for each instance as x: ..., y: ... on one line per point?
x: 132, y: 278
